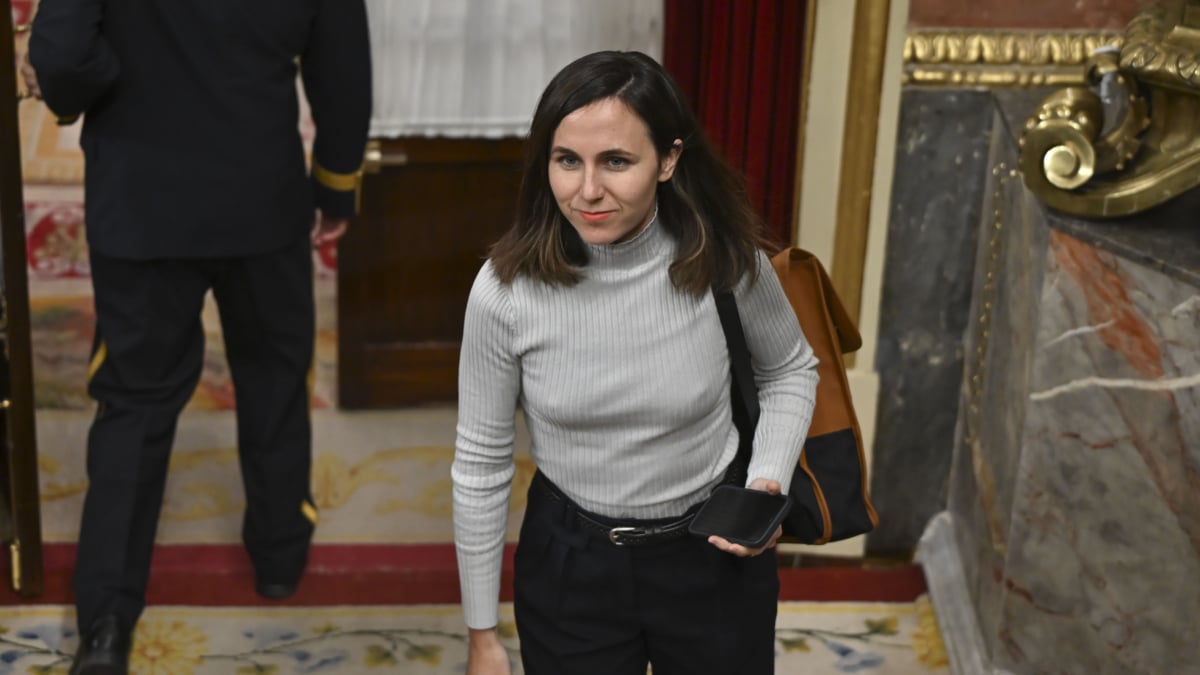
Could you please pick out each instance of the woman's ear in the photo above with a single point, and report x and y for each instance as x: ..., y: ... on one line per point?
x: 667, y: 166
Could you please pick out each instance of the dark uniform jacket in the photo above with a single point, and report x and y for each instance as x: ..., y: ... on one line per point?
x: 190, y: 117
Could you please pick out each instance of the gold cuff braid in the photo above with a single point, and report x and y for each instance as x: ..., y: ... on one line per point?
x: 340, y: 182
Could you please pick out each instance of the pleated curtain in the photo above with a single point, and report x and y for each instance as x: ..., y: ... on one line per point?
x: 739, y: 63
x: 475, y: 68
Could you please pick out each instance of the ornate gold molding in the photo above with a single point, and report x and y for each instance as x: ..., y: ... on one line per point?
x: 1162, y: 50
x: 1002, y: 58
x: 1130, y: 139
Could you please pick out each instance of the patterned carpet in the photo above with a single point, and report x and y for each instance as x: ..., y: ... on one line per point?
x: 61, y: 314
x: 379, y: 477
x: 811, y: 638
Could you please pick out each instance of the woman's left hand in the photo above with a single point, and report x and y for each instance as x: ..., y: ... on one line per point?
x: 771, y: 486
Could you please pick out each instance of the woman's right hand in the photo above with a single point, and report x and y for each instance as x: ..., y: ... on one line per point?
x: 485, y: 654
x: 766, y: 485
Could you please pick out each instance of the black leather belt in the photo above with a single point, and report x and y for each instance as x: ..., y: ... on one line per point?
x: 620, y: 533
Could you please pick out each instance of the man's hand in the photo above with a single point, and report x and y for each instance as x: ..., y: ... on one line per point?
x: 724, y: 544
x: 326, y: 229
x: 485, y: 654
x: 30, y: 76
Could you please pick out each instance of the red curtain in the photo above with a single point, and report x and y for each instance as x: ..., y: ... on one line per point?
x: 739, y: 63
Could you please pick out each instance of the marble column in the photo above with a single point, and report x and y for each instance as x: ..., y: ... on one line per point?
x: 940, y: 178
x: 1071, y: 541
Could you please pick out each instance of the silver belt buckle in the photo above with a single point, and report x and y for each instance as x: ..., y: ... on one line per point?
x: 616, y: 532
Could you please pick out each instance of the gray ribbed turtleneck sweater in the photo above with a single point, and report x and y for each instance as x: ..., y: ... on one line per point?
x: 624, y: 381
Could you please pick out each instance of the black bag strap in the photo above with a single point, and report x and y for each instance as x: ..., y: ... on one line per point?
x: 745, y: 392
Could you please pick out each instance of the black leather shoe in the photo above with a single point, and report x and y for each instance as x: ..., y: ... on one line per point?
x: 104, y: 649
x: 275, y: 591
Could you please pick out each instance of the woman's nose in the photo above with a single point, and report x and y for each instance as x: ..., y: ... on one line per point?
x: 592, y: 189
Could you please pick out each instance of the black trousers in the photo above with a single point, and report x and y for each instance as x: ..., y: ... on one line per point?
x: 584, y: 605
x: 147, y: 359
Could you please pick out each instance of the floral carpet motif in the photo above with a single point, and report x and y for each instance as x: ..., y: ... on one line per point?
x: 62, y: 325
x: 379, y: 477
x: 811, y: 638
x: 62, y: 319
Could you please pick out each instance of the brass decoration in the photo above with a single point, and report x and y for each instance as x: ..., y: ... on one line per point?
x: 990, y: 77
x: 14, y: 551
x: 1000, y: 58
x: 376, y: 157
x: 1025, y: 48
x: 1085, y: 158
x: 1164, y: 53
x: 373, y: 157
x: 975, y: 366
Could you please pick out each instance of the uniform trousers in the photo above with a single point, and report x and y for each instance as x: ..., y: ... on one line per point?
x: 146, y: 362
x: 585, y: 605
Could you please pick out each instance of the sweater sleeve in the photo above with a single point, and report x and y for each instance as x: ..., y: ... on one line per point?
x: 489, y: 383
x: 785, y: 370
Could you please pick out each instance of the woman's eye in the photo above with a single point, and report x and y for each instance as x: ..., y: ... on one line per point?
x: 618, y: 162
x: 567, y: 161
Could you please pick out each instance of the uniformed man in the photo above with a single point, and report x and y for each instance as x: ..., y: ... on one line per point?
x: 196, y: 180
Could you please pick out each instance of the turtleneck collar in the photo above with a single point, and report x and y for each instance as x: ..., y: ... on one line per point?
x: 644, y: 246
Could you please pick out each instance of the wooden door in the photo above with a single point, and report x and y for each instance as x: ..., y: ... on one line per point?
x: 406, y: 265
x: 20, y: 519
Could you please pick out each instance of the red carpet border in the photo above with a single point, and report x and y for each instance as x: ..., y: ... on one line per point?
x: 220, y: 575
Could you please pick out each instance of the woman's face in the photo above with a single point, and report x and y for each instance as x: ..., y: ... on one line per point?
x: 604, y: 171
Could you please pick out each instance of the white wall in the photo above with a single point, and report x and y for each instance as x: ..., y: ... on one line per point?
x: 821, y: 167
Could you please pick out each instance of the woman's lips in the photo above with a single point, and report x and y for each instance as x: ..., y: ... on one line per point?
x: 595, y: 216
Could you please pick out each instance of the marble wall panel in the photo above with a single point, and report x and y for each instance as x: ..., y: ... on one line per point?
x: 1002, y: 324
x: 1104, y: 551
x: 939, y: 186
x: 1164, y: 239
x: 1075, y: 482
x: 972, y: 495
x: 1074, y: 479
x: 941, y: 167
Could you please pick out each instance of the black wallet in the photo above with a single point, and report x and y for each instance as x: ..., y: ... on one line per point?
x: 741, y: 515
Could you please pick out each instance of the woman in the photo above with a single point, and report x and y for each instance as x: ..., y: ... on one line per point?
x: 595, y: 314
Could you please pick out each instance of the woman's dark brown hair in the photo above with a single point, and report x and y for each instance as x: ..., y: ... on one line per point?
x: 704, y: 204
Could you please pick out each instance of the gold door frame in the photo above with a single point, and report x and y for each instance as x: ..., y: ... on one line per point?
x: 810, y: 25
x: 868, y: 52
